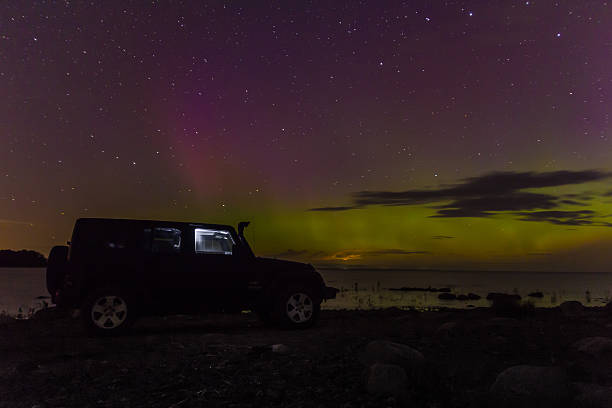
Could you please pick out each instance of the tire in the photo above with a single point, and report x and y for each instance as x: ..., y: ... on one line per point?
x: 56, y: 268
x: 296, y: 307
x: 108, y: 312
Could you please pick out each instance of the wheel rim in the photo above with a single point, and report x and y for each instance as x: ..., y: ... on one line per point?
x: 109, y: 312
x: 299, y: 308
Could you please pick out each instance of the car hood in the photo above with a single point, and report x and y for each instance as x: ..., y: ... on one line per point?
x: 278, y: 264
x: 281, y: 270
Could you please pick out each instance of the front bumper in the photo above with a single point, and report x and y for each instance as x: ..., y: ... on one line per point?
x: 329, y: 292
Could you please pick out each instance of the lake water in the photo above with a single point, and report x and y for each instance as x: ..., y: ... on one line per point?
x: 366, y: 289
x: 370, y: 288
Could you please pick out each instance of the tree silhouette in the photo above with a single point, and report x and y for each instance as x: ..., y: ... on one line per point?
x: 22, y: 258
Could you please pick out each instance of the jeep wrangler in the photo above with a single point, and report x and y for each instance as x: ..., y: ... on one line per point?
x: 115, y: 270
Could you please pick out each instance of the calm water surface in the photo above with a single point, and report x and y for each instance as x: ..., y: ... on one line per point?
x: 370, y: 288
x: 366, y: 289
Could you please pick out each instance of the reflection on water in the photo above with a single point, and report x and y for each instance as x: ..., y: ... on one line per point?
x: 23, y: 291
x: 369, y: 289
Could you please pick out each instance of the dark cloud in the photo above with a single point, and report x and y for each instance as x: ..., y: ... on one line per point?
x: 575, y: 218
x: 492, y: 193
x: 300, y: 253
x: 359, y: 253
x: 498, y: 184
x: 579, y: 196
x: 572, y: 202
x: 332, y: 208
x: 392, y: 252
x: 483, y: 206
x: 461, y: 213
x: 442, y: 237
x: 344, y: 254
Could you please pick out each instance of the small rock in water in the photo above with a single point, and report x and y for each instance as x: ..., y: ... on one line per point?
x: 447, y: 296
x: 387, y: 379
x: 531, y: 386
x: 473, y: 296
x: 387, y: 352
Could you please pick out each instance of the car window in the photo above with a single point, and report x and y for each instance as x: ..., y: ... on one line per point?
x: 105, y: 237
x: 166, y: 240
x: 213, y: 241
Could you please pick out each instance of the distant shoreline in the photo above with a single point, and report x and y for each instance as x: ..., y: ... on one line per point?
x: 22, y: 266
x: 376, y: 269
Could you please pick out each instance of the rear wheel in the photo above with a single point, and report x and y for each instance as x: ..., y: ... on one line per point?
x: 297, y: 307
x: 108, y: 312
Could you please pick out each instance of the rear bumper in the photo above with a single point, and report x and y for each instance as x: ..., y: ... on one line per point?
x: 329, y: 292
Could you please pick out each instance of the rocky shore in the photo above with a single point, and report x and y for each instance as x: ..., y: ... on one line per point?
x: 559, y: 357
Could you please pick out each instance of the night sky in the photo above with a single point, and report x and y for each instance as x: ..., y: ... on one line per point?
x: 422, y: 134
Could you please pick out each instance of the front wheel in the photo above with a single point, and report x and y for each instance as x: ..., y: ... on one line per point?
x: 297, y: 308
x: 108, y: 312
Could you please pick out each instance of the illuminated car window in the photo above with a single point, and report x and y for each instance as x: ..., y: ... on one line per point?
x: 213, y: 241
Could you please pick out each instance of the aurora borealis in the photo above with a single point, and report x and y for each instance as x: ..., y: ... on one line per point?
x: 416, y: 134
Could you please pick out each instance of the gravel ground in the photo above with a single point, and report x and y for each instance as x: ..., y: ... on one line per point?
x: 227, y: 361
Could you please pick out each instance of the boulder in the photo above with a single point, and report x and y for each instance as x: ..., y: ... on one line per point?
x: 280, y: 348
x: 388, y: 380
x: 504, y: 304
x: 462, y: 297
x: 447, y: 296
x: 592, y: 360
x: 531, y: 386
x: 592, y: 396
x: 387, y: 352
x: 448, y: 329
x: 571, y: 308
x: 473, y: 296
x: 500, y: 326
x: 502, y: 322
x: 594, y: 346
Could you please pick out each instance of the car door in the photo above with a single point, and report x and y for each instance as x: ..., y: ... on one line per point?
x: 217, y: 271
x: 168, y: 275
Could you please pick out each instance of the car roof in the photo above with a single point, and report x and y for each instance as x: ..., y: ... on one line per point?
x: 148, y: 222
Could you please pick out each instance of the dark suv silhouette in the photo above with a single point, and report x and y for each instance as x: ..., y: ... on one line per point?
x: 115, y: 270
